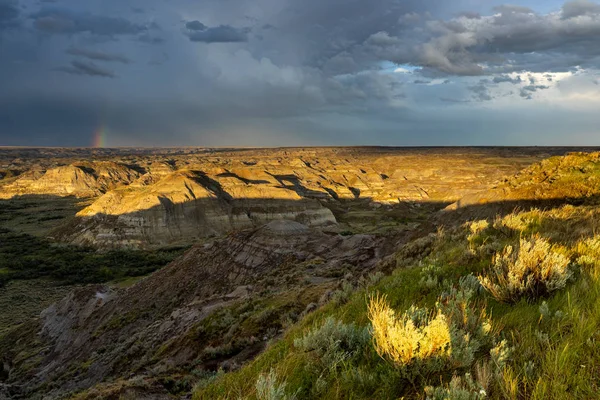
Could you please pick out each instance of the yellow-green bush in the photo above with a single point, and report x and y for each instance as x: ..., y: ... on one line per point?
x: 403, y: 341
x: 533, y: 270
x: 420, y: 342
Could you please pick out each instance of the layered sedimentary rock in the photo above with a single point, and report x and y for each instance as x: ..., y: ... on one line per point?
x: 178, y: 196
x: 79, y: 179
x: 186, y: 205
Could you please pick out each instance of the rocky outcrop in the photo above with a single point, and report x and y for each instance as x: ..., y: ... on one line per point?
x: 183, y: 198
x: 184, y: 206
x: 80, y: 179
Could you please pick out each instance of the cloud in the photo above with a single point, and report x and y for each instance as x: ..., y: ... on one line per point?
x: 578, y: 8
x: 150, y: 39
x: 515, y: 38
x: 507, y: 78
x: 86, y: 68
x: 198, y: 32
x: 97, y: 55
x: 526, y: 91
x: 450, y: 54
x: 470, y: 15
x: 59, y: 21
x: 9, y: 12
x: 305, y: 64
x: 195, y: 26
x: 480, y: 92
x: 509, y: 8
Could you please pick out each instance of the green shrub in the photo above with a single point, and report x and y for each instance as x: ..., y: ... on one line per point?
x: 458, y: 389
x: 430, y: 277
x: 334, y: 342
x: 534, y: 270
x: 268, y: 388
x: 341, y: 296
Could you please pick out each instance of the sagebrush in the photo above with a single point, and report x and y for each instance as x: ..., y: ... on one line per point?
x: 533, y: 270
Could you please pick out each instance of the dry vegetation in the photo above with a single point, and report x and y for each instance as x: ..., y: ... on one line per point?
x: 534, y: 270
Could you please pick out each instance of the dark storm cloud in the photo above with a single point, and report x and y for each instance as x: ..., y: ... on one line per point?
x: 62, y: 21
x: 54, y: 119
x: 86, y: 68
x: 9, y: 12
x: 195, y: 26
x: 150, y: 39
x: 97, y: 55
x: 217, y: 34
x: 334, y: 69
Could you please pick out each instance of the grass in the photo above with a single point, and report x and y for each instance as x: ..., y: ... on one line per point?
x: 38, y: 215
x: 21, y: 300
x: 547, y: 345
x: 26, y: 253
x: 23, y: 256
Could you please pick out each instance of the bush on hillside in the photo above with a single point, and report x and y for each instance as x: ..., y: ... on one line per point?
x: 268, y: 388
x: 458, y: 389
x: 411, y: 337
x: 334, y: 342
x: 421, y: 342
x: 535, y: 269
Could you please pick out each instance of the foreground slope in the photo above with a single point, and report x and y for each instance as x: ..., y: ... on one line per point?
x: 539, y: 345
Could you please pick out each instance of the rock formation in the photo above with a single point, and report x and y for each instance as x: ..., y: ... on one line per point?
x: 80, y: 179
x: 164, y: 197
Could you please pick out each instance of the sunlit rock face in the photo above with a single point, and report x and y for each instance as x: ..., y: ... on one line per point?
x: 186, y: 205
x: 86, y: 179
x: 177, y: 196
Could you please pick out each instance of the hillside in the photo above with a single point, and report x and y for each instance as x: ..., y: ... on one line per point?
x: 540, y: 343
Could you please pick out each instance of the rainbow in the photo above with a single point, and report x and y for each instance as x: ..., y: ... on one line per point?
x: 100, y: 137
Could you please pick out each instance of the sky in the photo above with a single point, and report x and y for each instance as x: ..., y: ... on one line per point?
x: 256, y: 73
